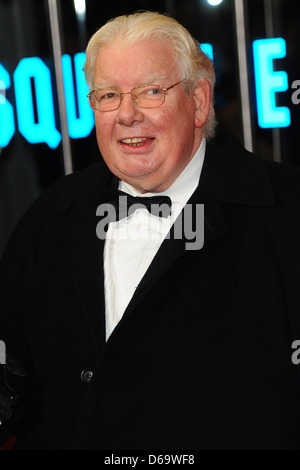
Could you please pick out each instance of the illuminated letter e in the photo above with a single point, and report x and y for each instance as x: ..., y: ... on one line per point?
x: 268, y: 82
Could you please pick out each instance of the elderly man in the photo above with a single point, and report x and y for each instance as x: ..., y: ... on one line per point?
x: 122, y: 328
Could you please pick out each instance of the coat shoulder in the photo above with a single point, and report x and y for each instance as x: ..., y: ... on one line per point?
x: 284, y: 176
x: 54, y: 201
x: 285, y: 180
x: 72, y: 188
x: 68, y: 190
x: 251, y: 175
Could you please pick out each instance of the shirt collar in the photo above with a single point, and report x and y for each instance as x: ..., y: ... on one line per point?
x: 183, y: 187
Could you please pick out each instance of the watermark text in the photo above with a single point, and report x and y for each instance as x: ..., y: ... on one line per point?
x: 2, y: 352
x: 188, y: 224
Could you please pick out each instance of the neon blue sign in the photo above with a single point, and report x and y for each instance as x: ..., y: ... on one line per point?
x: 35, y: 109
x: 268, y: 83
x: 34, y: 95
x: 82, y: 125
x: 42, y: 130
x: 7, y: 123
x: 208, y: 49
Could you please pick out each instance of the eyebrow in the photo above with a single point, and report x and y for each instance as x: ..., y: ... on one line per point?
x: 152, y: 79
x: 105, y: 86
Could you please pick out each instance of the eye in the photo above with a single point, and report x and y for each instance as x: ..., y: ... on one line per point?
x: 107, y: 95
x: 153, y: 91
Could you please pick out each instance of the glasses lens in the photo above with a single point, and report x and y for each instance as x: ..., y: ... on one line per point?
x: 106, y: 99
x: 149, y: 96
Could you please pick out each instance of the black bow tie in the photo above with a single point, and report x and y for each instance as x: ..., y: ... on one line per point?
x: 125, y: 204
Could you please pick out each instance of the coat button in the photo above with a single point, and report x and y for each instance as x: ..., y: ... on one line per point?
x: 86, y: 376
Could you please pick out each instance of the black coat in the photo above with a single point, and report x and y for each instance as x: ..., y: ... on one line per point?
x: 202, y: 358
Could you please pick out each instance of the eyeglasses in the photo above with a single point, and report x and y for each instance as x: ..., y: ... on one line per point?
x: 145, y: 96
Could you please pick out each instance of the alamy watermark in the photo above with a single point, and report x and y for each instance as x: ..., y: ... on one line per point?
x: 188, y: 224
x: 2, y: 352
x: 296, y: 93
x: 296, y: 354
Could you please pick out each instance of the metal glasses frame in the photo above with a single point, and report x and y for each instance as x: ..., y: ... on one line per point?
x: 134, y: 98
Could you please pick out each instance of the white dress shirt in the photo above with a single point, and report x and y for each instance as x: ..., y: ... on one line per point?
x: 132, y: 242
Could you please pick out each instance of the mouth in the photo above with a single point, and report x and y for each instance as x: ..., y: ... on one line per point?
x: 136, y: 141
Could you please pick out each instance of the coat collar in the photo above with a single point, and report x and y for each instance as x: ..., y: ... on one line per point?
x: 232, y: 174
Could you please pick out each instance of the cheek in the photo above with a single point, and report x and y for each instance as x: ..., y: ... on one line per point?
x: 103, y: 133
x: 166, y: 125
x: 180, y: 118
x: 103, y: 126
x: 178, y: 130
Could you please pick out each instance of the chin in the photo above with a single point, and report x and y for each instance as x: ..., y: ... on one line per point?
x: 136, y: 171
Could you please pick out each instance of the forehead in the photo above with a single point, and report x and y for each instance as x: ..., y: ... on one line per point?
x: 134, y: 64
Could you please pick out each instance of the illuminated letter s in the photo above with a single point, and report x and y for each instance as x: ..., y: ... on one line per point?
x: 7, y: 122
x: 43, y: 128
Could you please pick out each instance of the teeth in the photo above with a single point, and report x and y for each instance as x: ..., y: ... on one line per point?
x: 134, y: 141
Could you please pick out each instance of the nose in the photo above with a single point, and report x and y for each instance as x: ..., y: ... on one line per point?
x: 128, y: 111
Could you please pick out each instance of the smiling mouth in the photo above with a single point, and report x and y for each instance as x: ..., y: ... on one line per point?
x: 136, y: 141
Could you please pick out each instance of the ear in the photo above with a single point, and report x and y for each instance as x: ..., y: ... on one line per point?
x: 91, y: 103
x: 202, y: 97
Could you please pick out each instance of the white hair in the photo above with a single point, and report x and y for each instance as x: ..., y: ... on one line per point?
x: 192, y: 62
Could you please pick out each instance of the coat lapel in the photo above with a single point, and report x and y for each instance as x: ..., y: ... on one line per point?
x: 173, y: 248
x: 84, y: 250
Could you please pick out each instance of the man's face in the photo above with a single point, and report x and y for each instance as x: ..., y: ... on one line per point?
x: 171, y: 133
